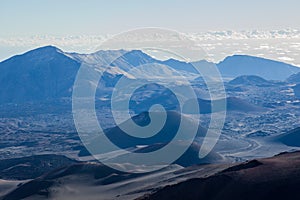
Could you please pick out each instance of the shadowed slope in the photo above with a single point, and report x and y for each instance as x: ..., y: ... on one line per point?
x: 272, y: 178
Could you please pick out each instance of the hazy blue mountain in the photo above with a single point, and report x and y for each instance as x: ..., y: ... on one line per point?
x: 129, y: 59
x: 238, y: 65
x: 48, y: 73
x: 250, y: 80
x: 179, y: 65
x: 141, y: 100
x: 43, y: 73
x: 295, y: 78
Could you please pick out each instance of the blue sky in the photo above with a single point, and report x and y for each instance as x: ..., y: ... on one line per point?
x: 66, y: 17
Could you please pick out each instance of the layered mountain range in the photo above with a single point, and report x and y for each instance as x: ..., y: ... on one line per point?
x: 49, y: 73
x: 37, y: 128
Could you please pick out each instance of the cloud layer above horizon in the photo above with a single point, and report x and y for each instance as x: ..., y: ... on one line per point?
x: 281, y: 45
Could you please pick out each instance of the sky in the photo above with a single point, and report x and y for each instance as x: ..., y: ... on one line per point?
x: 64, y: 18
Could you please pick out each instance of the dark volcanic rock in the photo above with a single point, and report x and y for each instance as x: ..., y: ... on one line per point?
x: 272, y: 178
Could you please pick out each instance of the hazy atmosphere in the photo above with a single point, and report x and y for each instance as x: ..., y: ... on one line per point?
x: 263, y: 28
x: 149, y: 100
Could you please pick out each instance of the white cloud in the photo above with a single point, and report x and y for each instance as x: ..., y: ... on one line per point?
x: 288, y: 59
x: 282, y: 45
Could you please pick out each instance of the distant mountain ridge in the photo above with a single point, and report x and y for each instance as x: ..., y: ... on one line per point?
x: 238, y: 65
x: 49, y: 73
x: 40, y: 74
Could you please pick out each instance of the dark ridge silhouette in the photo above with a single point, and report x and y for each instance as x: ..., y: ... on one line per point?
x: 271, y: 178
x: 291, y: 138
x: 247, y: 165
